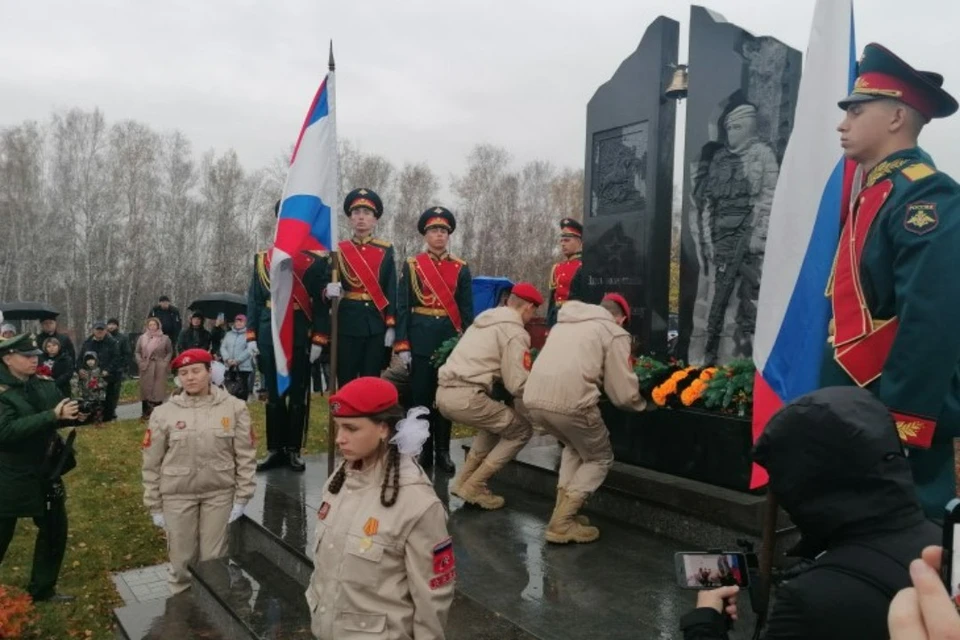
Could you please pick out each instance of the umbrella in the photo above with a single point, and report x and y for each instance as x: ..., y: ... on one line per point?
x: 28, y: 311
x: 211, y: 304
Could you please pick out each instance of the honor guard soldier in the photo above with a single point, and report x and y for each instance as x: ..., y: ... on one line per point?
x: 369, y: 291
x: 493, y: 354
x: 893, y: 292
x: 32, y: 459
x: 287, y: 414
x: 565, y: 276
x: 435, y: 304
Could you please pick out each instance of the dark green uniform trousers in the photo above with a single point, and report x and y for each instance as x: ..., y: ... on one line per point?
x: 423, y: 393
x: 286, y: 415
x: 50, y: 546
x: 359, y: 356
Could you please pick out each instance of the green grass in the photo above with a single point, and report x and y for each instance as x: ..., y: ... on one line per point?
x: 130, y: 390
x: 110, y: 530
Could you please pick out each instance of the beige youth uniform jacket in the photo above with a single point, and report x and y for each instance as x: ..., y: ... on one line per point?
x: 495, y: 348
x: 381, y: 572
x: 199, y: 447
x: 585, y: 352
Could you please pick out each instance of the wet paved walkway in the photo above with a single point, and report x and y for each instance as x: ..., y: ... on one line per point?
x: 621, y: 587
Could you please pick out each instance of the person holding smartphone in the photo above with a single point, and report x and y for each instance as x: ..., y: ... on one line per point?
x: 837, y: 467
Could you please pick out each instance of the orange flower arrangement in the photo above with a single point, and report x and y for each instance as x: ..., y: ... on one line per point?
x: 16, y: 612
x: 693, y: 393
x: 661, y: 393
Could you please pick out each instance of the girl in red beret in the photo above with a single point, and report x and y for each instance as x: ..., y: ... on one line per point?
x: 199, y: 459
x: 383, y: 560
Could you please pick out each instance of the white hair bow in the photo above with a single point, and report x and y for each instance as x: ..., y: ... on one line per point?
x: 412, y: 432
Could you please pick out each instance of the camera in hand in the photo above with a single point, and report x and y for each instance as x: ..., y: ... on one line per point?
x: 709, y: 570
x: 93, y: 409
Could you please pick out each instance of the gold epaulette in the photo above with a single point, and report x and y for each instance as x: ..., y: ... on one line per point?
x: 918, y: 171
x: 412, y: 261
x: 318, y: 253
x: 262, y: 272
x: 381, y: 243
x: 4, y: 388
x: 43, y: 377
x: 460, y: 260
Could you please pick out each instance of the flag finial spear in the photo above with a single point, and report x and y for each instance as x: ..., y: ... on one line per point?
x: 331, y: 63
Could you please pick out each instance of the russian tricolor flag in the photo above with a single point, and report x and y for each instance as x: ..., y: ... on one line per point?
x: 306, y: 219
x: 812, y: 193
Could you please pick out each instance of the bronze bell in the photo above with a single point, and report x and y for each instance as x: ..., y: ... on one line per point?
x: 679, y: 84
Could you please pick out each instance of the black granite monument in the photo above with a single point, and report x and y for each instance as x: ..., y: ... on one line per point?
x: 740, y: 106
x: 629, y: 184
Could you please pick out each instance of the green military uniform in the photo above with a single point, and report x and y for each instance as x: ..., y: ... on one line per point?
x: 29, y: 444
x: 368, y: 271
x: 896, y: 302
x: 423, y: 324
x: 287, y: 415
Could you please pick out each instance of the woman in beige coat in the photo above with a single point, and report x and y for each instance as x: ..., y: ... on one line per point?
x: 199, y: 459
x: 153, y: 353
x: 383, y: 560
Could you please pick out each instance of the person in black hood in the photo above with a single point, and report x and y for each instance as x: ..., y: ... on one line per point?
x: 194, y: 336
x: 838, y: 468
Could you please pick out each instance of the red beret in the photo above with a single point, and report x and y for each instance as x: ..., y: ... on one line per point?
x: 528, y: 292
x: 191, y: 356
x: 621, y: 302
x: 365, y: 396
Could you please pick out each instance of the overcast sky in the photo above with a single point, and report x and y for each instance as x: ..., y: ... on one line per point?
x: 417, y: 79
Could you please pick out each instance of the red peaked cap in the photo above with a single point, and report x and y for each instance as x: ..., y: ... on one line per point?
x: 364, y: 396
x: 528, y: 292
x: 191, y: 356
x: 621, y: 302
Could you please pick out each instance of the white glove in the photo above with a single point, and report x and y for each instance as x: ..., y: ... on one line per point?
x: 235, y: 513
x: 315, y: 352
x: 253, y: 348
x: 158, y: 520
x: 333, y: 290
x: 405, y: 358
x: 390, y: 336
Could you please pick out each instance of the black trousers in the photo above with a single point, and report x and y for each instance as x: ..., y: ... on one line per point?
x: 358, y: 357
x: 423, y: 393
x: 114, y: 382
x: 51, y: 544
x: 286, y: 414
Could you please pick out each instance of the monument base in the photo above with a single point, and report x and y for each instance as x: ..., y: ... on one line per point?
x: 705, y: 446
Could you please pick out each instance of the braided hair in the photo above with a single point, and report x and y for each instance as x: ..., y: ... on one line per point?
x: 391, y: 475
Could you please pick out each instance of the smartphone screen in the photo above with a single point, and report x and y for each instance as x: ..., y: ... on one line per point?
x: 954, y: 577
x: 711, y: 570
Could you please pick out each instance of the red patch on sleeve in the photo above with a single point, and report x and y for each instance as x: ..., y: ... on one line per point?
x: 527, y: 360
x: 323, y: 510
x: 439, y: 581
x: 443, y: 559
x: 147, y: 439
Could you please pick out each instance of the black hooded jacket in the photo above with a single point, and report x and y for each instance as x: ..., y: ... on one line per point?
x: 838, y: 469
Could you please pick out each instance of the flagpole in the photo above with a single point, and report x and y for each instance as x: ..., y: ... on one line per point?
x: 334, y: 317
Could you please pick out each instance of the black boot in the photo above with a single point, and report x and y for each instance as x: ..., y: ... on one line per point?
x: 294, y: 437
x: 273, y: 460
x: 441, y: 437
x: 144, y: 409
x: 294, y: 461
x: 426, y: 454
